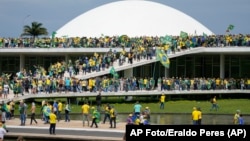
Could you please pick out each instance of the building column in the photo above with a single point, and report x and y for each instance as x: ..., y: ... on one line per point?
x: 21, y: 63
x: 166, y: 72
x: 67, y: 58
x: 222, y: 65
x: 128, y: 73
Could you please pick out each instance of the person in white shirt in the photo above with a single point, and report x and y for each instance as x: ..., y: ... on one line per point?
x: 2, y: 132
x: 5, y: 90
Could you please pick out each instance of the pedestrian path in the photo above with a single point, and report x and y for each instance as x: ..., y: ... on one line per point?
x: 68, y: 131
x: 72, y: 125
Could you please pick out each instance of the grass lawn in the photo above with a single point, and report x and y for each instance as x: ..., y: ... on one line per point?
x: 226, y: 106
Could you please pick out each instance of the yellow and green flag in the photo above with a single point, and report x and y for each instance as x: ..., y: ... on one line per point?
x: 163, y: 58
x: 113, y: 72
x: 183, y: 35
x: 230, y: 27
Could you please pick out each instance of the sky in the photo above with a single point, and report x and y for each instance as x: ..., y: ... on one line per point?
x: 216, y: 15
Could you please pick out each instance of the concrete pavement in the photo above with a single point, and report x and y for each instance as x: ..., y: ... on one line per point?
x: 73, y: 130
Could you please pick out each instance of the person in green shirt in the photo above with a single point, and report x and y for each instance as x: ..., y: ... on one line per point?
x: 95, y: 117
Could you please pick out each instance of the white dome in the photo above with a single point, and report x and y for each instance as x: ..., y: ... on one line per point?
x: 133, y: 18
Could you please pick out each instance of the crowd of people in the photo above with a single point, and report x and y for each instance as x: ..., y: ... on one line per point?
x: 125, y: 41
x: 53, y: 79
x: 51, y: 85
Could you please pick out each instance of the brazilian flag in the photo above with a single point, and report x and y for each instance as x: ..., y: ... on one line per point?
x: 163, y: 58
x: 113, y: 72
x: 183, y: 35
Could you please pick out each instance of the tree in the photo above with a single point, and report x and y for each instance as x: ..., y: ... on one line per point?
x: 34, y: 30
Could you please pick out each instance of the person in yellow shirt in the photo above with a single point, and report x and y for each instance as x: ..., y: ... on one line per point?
x: 113, y: 115
x: 106, y: 113
x: 195, y: 116
x: 52, y: 127
x: 214, y: 104
x: 60, y: 108
x: 162, y: 101
x: 85, y: 113
x: 137, y: 120
x: 236, y: 117
x: 199, y: 115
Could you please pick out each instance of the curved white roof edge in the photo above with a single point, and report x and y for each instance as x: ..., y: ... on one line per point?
x: 133, y: 18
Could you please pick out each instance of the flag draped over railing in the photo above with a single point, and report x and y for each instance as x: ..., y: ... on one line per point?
x: 163, y: 58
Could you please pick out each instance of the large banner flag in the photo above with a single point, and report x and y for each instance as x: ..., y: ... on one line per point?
x: 166, y: 40
x: 113, y: 72
x: 163, y: 58
x: 183, y: 35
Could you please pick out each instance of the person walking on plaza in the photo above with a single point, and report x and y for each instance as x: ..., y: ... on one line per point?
x: 106, y: 113
x: 60, y: 108
x: 4, y: 111
x: 85, y: 113
x: 22, y: 110
x: 2, y: 132
x: 214, y: 104
x: 52, y: 127
x: 94, y: 117
x: 113, y: 114
x: 241, y: 120
x: 162, y: 101
x: 12, y: 108
x: 5, y: 90
x: 67, y: 110
x: 236, y: 117
x: 195, y: 116
x: 33, y: 111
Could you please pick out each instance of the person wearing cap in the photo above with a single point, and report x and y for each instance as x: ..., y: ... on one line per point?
x: 129, y: 120
x: 147, y: 113
x: 137, y: 120
x: 236, y: 117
